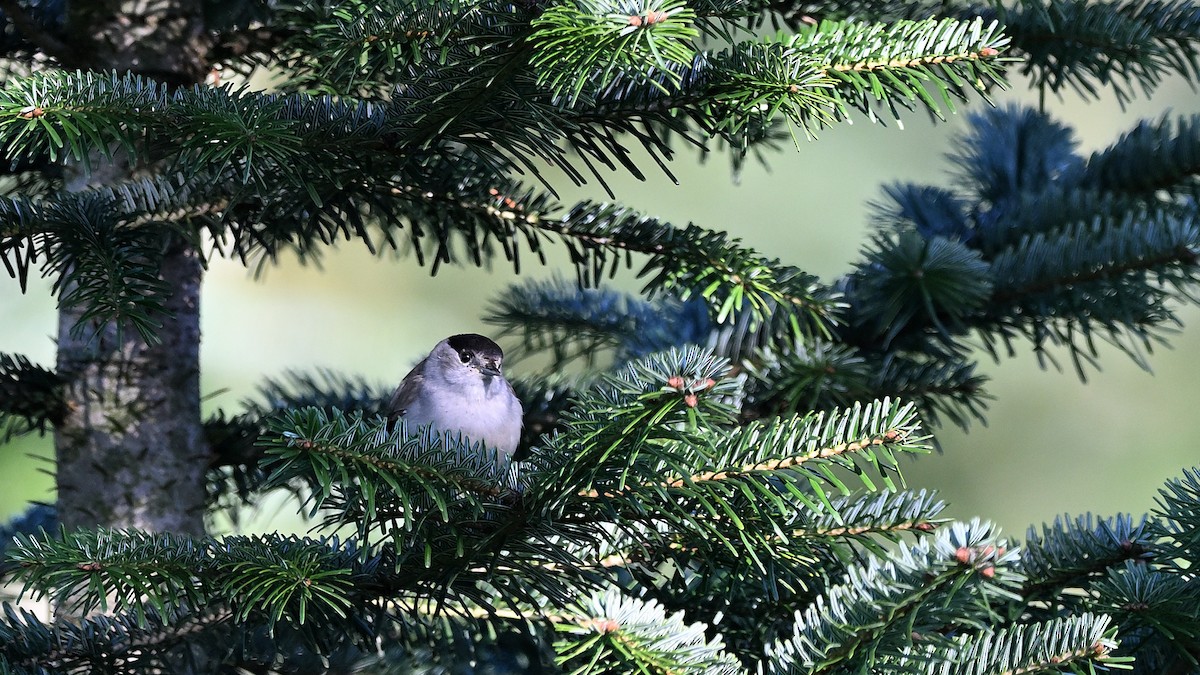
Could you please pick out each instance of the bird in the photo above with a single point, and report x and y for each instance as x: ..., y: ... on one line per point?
x: 460, y: 387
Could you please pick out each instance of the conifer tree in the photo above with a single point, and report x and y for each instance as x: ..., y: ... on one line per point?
x: 719, y: 490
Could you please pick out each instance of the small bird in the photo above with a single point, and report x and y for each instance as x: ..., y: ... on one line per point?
x: 460, y: 387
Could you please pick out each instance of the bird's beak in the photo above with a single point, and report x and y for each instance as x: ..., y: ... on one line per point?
x: 490, y: 368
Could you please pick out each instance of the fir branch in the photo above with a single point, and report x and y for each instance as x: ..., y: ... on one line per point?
x: 637, y: 636
x: 326, y: 389
x: 631, y: 477
x: 935, y: 282
x: 344, y: 48
x: 596, y: 43
x: 158, y: 581
x: 609, y: 464
x: 31, y: 397
x: 1121, y: 45
x: 1053, y: 210
x: 110, y: 272
x: 234, y: 477
x: 1074, y: 644
x: 54, y: 114
x: 361, y: 49
x: 862, y: 517
x: 1075, y: 553
x: 33, y: 229
x: 1167, y: 243
x: 1178, y: 517
x: 84, y: 571
x: 246, y: 46
x: 35, y: 518
x: 432, y: 501
x: 305, y: 584
x: 21, y: 242
x: 774, y: 301
x: 905, y: 59
x: 874, y: 616
x: 796, y: 13
x: 827, y: 375
x: 1175, y: 147
x: 875, y: 429
x: 1155, y: 610
x: 569, y: 323
x: 819, y: 375
x: 1058, y: 289
x: 695, y: 262
x: 31, y: 645
x: 681, y: 385
x: 953, y: 390
x: 236, y: 474
x: 1067, y: 262
x: 818, y: 76
x: 751, y: 293
x: 308, y: 443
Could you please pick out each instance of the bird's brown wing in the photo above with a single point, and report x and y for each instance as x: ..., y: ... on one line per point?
x: 406, y: 393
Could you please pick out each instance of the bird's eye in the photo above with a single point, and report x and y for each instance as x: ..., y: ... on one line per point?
x: 465, y: 356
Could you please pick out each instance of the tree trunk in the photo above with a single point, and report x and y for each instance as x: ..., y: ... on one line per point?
x: 131, y: 449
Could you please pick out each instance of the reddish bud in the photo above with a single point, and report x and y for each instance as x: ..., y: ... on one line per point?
x: 988, y: 572
x: 963, y: 555
x: 635, y: 20
x: 601, y: 625
x: 691, y: 400
x: 988, y: 51
x: 675, y: 382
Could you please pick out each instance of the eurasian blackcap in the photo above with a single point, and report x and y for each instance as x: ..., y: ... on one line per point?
x: 459, y: 387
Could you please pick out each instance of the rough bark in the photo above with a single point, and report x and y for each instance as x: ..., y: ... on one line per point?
x: 130, y: 450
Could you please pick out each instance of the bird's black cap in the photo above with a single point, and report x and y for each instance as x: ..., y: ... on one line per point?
x: 475, y: 343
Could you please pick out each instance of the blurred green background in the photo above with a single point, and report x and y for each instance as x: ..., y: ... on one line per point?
x: 1052, y: 444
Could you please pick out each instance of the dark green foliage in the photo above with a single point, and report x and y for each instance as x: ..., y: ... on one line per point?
x: 1074, y: 553
x: 1177, y: 505
x: 716, y: 486
x: 605, y: 498
x: 1031, y: 248
x: 571, y: 323
x: 30, y: 397
x: 925, y: 588
x: 1108, y: 45
x: 1121, y: 168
